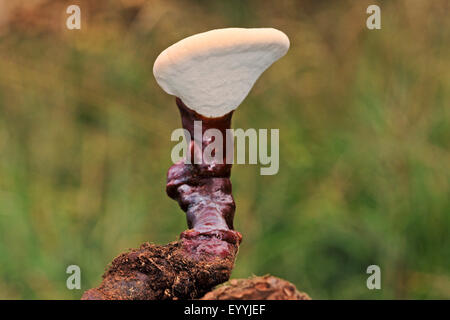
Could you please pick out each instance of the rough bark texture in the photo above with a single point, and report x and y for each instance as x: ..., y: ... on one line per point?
x: 168, y: 272
x: 155, y: 272
x: 257, y: 288
x: 204, y: 256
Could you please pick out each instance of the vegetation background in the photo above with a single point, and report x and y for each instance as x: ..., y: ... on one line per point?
x: 364, y: 125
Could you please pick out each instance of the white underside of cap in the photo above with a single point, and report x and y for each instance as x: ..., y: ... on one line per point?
x: 212, y: 72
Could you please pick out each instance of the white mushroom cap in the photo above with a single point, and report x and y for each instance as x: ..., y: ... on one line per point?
x: 212, y: 72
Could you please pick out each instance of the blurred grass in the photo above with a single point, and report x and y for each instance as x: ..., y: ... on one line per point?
x: 364, y: 133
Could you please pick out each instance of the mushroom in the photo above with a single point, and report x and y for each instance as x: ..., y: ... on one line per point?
x: 211, y: 73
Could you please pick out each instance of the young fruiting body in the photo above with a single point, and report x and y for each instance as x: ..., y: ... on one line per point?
x: 210, y: 74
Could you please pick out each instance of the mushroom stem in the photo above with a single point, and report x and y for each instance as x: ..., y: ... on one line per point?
x: 204, y: 255
x: 203, y: 191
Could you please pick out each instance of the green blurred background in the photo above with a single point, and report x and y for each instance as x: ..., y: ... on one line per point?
x: 364, y: 125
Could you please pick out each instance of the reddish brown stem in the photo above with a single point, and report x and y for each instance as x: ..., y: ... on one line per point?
x: 203, y: 190
x: 204, y: 256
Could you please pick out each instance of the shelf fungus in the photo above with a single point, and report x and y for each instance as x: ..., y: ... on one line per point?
x: 210, y: 74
